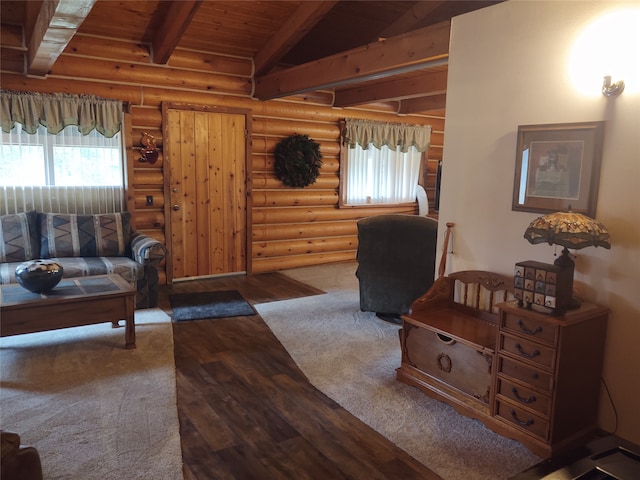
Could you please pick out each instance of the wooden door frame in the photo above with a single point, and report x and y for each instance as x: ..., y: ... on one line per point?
x: 246, y: 112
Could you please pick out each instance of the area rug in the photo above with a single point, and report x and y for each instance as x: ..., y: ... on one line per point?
x: 351, y: 356
x: 215, y: 304
x: 93, y: 409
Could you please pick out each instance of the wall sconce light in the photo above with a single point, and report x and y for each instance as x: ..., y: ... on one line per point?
x: 608, y: 45
x: 612, y: 89
x: 149, y: 152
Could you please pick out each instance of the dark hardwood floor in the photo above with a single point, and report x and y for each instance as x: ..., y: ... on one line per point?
x: 247, y: 411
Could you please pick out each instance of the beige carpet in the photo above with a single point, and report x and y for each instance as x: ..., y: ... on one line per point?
x: 351, y: 356
x: 93, y: 409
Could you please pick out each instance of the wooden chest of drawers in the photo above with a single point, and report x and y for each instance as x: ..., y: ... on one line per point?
x: 547, y: 377
x: 527, y: 375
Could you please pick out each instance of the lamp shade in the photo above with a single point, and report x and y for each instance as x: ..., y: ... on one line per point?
x: 569, y: 229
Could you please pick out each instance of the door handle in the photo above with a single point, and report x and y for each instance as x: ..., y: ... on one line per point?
x: 176, y: 207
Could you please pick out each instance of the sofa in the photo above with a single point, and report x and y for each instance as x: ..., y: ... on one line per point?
x: 396, y: 262
x: 84, y: 245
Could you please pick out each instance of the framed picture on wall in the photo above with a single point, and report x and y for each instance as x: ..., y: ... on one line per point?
x: 558, y: 167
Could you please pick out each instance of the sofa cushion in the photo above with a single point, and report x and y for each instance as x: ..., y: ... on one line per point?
x: 70, y: 235
x: 19, y: 237
x: 73, y: 267
x: 128, y: 269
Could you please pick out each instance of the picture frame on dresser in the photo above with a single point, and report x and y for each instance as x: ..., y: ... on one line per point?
x: 558, y: 167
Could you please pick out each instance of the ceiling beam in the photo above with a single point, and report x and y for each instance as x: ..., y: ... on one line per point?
x: 423, y: 104
x: 174, y: 24
x: 55, y: 24
x: 427, y: 84
x: 412, y: 51
x: 297, y: 26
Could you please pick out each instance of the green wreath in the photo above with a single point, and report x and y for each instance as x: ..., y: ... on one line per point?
x: 298, y: 160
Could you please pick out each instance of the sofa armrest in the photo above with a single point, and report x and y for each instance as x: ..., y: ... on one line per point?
x: 18, y: 461
x: 146, y: 250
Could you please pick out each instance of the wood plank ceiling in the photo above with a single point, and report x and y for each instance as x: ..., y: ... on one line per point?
x: 363, y: 51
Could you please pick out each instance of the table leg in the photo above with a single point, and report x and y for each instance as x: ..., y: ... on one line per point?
x: 130, y: 327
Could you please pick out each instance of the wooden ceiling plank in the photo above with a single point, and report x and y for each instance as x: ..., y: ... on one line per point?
x: 412, y: 51
x: 174, y: 24
x: 423, y: 104
x: 296, y: 27
x: 411, y: 19
x: 55, y: 25
x: 11, y: 36
x: 434, y: 83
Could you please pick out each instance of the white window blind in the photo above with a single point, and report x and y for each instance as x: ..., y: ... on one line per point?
x: 381, y: 175
x: 64, y: 173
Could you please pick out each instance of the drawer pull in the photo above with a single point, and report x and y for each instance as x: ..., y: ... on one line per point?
x: 535, y: 353
x: 531, y: 399
x: 444, y: 339
x: 527, y: 423
x: 444, y: 362
x: 537, y: 330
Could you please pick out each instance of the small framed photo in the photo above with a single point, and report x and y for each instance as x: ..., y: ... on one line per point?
x: 558, y: 167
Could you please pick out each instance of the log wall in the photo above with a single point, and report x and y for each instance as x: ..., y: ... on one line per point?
x: 289, y: 227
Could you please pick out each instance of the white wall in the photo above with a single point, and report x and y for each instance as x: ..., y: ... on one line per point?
x: 508, y: 67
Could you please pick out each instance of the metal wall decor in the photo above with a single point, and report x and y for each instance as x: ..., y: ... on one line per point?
x: 149, y: 153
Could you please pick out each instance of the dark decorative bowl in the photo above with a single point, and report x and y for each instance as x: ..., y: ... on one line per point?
x: 39, y: 276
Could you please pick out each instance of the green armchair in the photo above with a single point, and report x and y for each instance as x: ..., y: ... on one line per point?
x: 396, y: 262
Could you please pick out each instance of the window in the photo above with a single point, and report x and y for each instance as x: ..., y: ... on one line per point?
x: 381, y: 175
x: 381, y: 163
x: 66, y: 159
x: 66, y: 173
x: 60, y: 153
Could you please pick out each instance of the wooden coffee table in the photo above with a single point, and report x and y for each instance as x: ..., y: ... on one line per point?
x: 72, y: 303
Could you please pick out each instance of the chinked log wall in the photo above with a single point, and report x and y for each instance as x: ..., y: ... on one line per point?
x: 289, y: 227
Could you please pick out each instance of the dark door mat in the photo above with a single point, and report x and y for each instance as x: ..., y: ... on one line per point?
x: 215, y: 304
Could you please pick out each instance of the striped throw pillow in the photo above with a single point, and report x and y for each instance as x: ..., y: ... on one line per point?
x: 19, y: 237
x: 70, y: 235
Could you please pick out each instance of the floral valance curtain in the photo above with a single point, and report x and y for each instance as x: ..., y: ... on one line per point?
x: 365, y: 132
x: 59, y: 110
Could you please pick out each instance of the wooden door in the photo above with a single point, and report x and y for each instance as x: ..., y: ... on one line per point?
x: 207, y: 206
